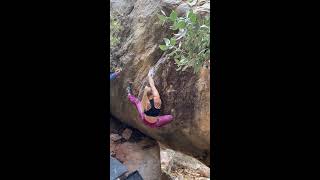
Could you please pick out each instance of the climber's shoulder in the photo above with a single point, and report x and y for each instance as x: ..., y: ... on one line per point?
x: 157, y: 102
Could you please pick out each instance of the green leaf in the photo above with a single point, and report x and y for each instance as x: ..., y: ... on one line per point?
x: 174, y: 26
x: 181, y: 25
x: 193, y: 50
x: 182, y: 60
x: 173, y: 16
x: 173, y: 41
x: 190, y: 63
x: 196, y: 69
x: 163, y: 47
x: 161, y: 17
x: 189, y: 12
x: 204, y: 26
x: 192, y: 17
x: 167, y: 41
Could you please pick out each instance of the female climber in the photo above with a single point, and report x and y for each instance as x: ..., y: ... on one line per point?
x: 150, y: 105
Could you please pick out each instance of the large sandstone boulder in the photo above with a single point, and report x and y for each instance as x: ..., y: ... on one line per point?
x: 185, y: 95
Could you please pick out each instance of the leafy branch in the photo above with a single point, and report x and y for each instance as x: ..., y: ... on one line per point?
x: 190, y: 47
x: 115, y: 28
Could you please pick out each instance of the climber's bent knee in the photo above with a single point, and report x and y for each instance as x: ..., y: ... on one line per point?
x: 163, y: 120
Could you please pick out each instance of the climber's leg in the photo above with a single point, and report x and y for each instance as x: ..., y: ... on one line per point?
x: 135, y: 101
x: 163, y: 120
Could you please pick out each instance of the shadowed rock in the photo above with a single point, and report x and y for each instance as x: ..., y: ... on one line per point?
x: 138, y: 153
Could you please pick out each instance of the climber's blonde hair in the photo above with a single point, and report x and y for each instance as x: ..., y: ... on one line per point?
x: 147, y: 93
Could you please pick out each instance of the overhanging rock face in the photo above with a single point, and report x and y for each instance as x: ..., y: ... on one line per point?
x: 184, y: 95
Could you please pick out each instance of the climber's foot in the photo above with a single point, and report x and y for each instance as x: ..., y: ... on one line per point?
x: 129, y: 89
x: 173, y: 112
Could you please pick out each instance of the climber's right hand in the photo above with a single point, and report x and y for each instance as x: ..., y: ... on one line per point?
x: 151, y: 72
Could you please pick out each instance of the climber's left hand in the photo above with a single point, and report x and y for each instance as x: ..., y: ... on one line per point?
x: 151, y: 72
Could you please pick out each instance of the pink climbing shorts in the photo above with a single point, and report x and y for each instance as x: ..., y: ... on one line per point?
x: 161, y: 121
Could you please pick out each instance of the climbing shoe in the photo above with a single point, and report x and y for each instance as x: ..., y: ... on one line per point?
x: 129, y: 89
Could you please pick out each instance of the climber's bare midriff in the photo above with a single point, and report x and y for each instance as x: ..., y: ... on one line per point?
x: 150, y: 119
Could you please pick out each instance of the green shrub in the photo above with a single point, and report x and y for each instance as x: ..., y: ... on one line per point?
x: 115, y: 28
x: 191, y: 46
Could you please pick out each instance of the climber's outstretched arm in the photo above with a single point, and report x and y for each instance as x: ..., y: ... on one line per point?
x: 153, y: 87
x: 155, y: 93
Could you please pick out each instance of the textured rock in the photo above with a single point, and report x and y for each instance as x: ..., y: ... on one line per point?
x: 205, y: 172
x: 115, y: 137
x: 183, y: 8
x: 202, y: 178
x: 180, y: 177
x: 165, y: 176
x: 122, y: 7
x: 174, y: 164
x: 166, y: 158
x: 171, y: 3
x: 126, y: 134
x: 140, y: 153
x: 135, y: 157
x: 203, y: 8
x: 184, y: 95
